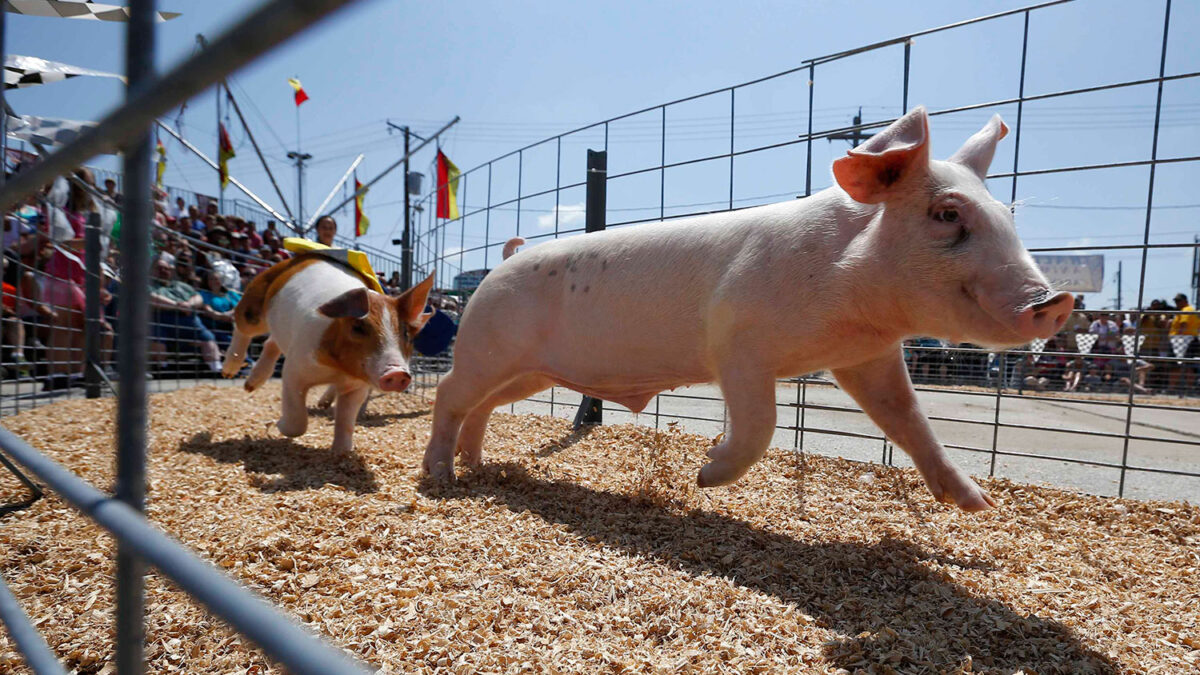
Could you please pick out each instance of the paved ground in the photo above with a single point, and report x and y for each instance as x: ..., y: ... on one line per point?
x: 1165, y: 438
x: 1092, y: 432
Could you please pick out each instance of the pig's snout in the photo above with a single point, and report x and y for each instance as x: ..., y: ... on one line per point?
x: 395, y: 379
x: 1045, y: 318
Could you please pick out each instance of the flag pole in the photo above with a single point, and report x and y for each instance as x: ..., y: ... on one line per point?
x: 220, y: 183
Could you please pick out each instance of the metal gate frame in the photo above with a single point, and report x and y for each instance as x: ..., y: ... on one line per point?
x: 122, y: 515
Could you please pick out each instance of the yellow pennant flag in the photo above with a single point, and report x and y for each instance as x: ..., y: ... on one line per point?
x: 162, y: 164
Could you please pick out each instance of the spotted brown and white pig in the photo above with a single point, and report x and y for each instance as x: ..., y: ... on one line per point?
x: 900, y: 246
x: 333, y: 330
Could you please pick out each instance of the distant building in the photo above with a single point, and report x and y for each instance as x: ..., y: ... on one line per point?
x: 470, y: 280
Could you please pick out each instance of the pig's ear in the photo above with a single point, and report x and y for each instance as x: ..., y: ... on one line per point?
x: 412, y: 303
x: 353, y: 304
x: 976, y: 154
x: 871, y: 172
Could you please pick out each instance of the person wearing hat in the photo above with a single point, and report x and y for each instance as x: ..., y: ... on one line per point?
x: 221, y: 294
x: 174, y: 319
x: 219, y: 236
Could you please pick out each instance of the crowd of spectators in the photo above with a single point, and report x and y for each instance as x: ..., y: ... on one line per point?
x: 202, y: 260
x: 1095, y: 351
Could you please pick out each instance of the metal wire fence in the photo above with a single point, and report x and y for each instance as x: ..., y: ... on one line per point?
x: 1112, y: 414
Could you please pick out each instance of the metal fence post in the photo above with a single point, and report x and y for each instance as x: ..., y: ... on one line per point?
x: 91, y: 325
x: 591, y: 410
x: 132, y: 419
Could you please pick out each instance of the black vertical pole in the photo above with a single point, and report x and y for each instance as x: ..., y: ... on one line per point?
x: 406, y: 240
x: 134, y: 328
x: 591, y: 410
x: 3, y: 113
x: 91, y: 330
x: 808, y: 145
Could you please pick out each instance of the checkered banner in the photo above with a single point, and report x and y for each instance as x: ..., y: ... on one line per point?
x: 1127, y: 342
x: 1037, y: 347
x: 48, y: 130
x: 65, y: 9
x: 30, y: 71
x: 1180, y: 344
x: 1085, y: 341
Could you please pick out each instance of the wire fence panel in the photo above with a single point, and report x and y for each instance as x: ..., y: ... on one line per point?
x: 1108, y: 406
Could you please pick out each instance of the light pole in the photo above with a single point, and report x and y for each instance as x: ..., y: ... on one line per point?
x: 300, y: 159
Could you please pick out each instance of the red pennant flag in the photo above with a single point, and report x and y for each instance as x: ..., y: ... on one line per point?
x: 447, y: 187
x: 301, y: 97
x: 361, y: 223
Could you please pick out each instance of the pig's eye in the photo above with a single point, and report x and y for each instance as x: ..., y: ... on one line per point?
x: 947, y: 215
x: 358, y: 329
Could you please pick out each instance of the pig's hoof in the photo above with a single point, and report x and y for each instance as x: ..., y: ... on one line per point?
x: 290, y: 430
x: 230, y: 368
x: 442, y: 472
x: 249, y: 386
x: 342, y: 447
x: 953, y: 487
x: 714, y: 475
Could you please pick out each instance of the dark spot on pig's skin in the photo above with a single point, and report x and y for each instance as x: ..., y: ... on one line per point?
x: 552, y: 273
x: 572, y: 288
x: 536, y: 266
x: 603, y: 264
x: 586, y: 289
x: 593, y: 254
x: 889, y: 175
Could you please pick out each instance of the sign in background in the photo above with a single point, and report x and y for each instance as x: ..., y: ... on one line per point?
x: 1074, y: 273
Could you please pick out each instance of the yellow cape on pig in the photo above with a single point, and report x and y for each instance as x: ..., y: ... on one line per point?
x: 355, y: 259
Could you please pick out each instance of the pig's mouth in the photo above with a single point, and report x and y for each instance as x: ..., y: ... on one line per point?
x: 998, y: 332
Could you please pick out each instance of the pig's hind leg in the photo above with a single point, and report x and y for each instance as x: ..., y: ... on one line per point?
x: 750, y: 395
x: 249, y: 322
x: 470, y: 437
x: 327, y: 398
x: 264, y: 367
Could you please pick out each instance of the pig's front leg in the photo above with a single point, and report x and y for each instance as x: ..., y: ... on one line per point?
x: 293, y: 415
x: 750, y: 395
x: 344, y: 417
x: 881, y: 386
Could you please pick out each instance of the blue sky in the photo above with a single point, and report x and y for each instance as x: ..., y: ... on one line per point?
x: 517, y: 72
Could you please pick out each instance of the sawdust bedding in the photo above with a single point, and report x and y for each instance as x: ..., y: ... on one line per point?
x: 592, y: 553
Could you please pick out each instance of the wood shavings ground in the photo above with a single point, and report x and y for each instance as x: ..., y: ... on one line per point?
x: 592, y: 552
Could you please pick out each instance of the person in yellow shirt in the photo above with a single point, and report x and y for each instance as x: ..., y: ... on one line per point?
x: 1185, y: 323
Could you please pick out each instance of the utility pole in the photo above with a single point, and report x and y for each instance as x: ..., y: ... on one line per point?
x: 1196, y: 267
x: 406, y: 256
x: 406, y: 237
x: 1119, y: 305
x: 300, y: 159
x: 857, y: 136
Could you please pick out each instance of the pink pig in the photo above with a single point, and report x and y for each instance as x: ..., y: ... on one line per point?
x: 902, y: 245
x: 333, y: 330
